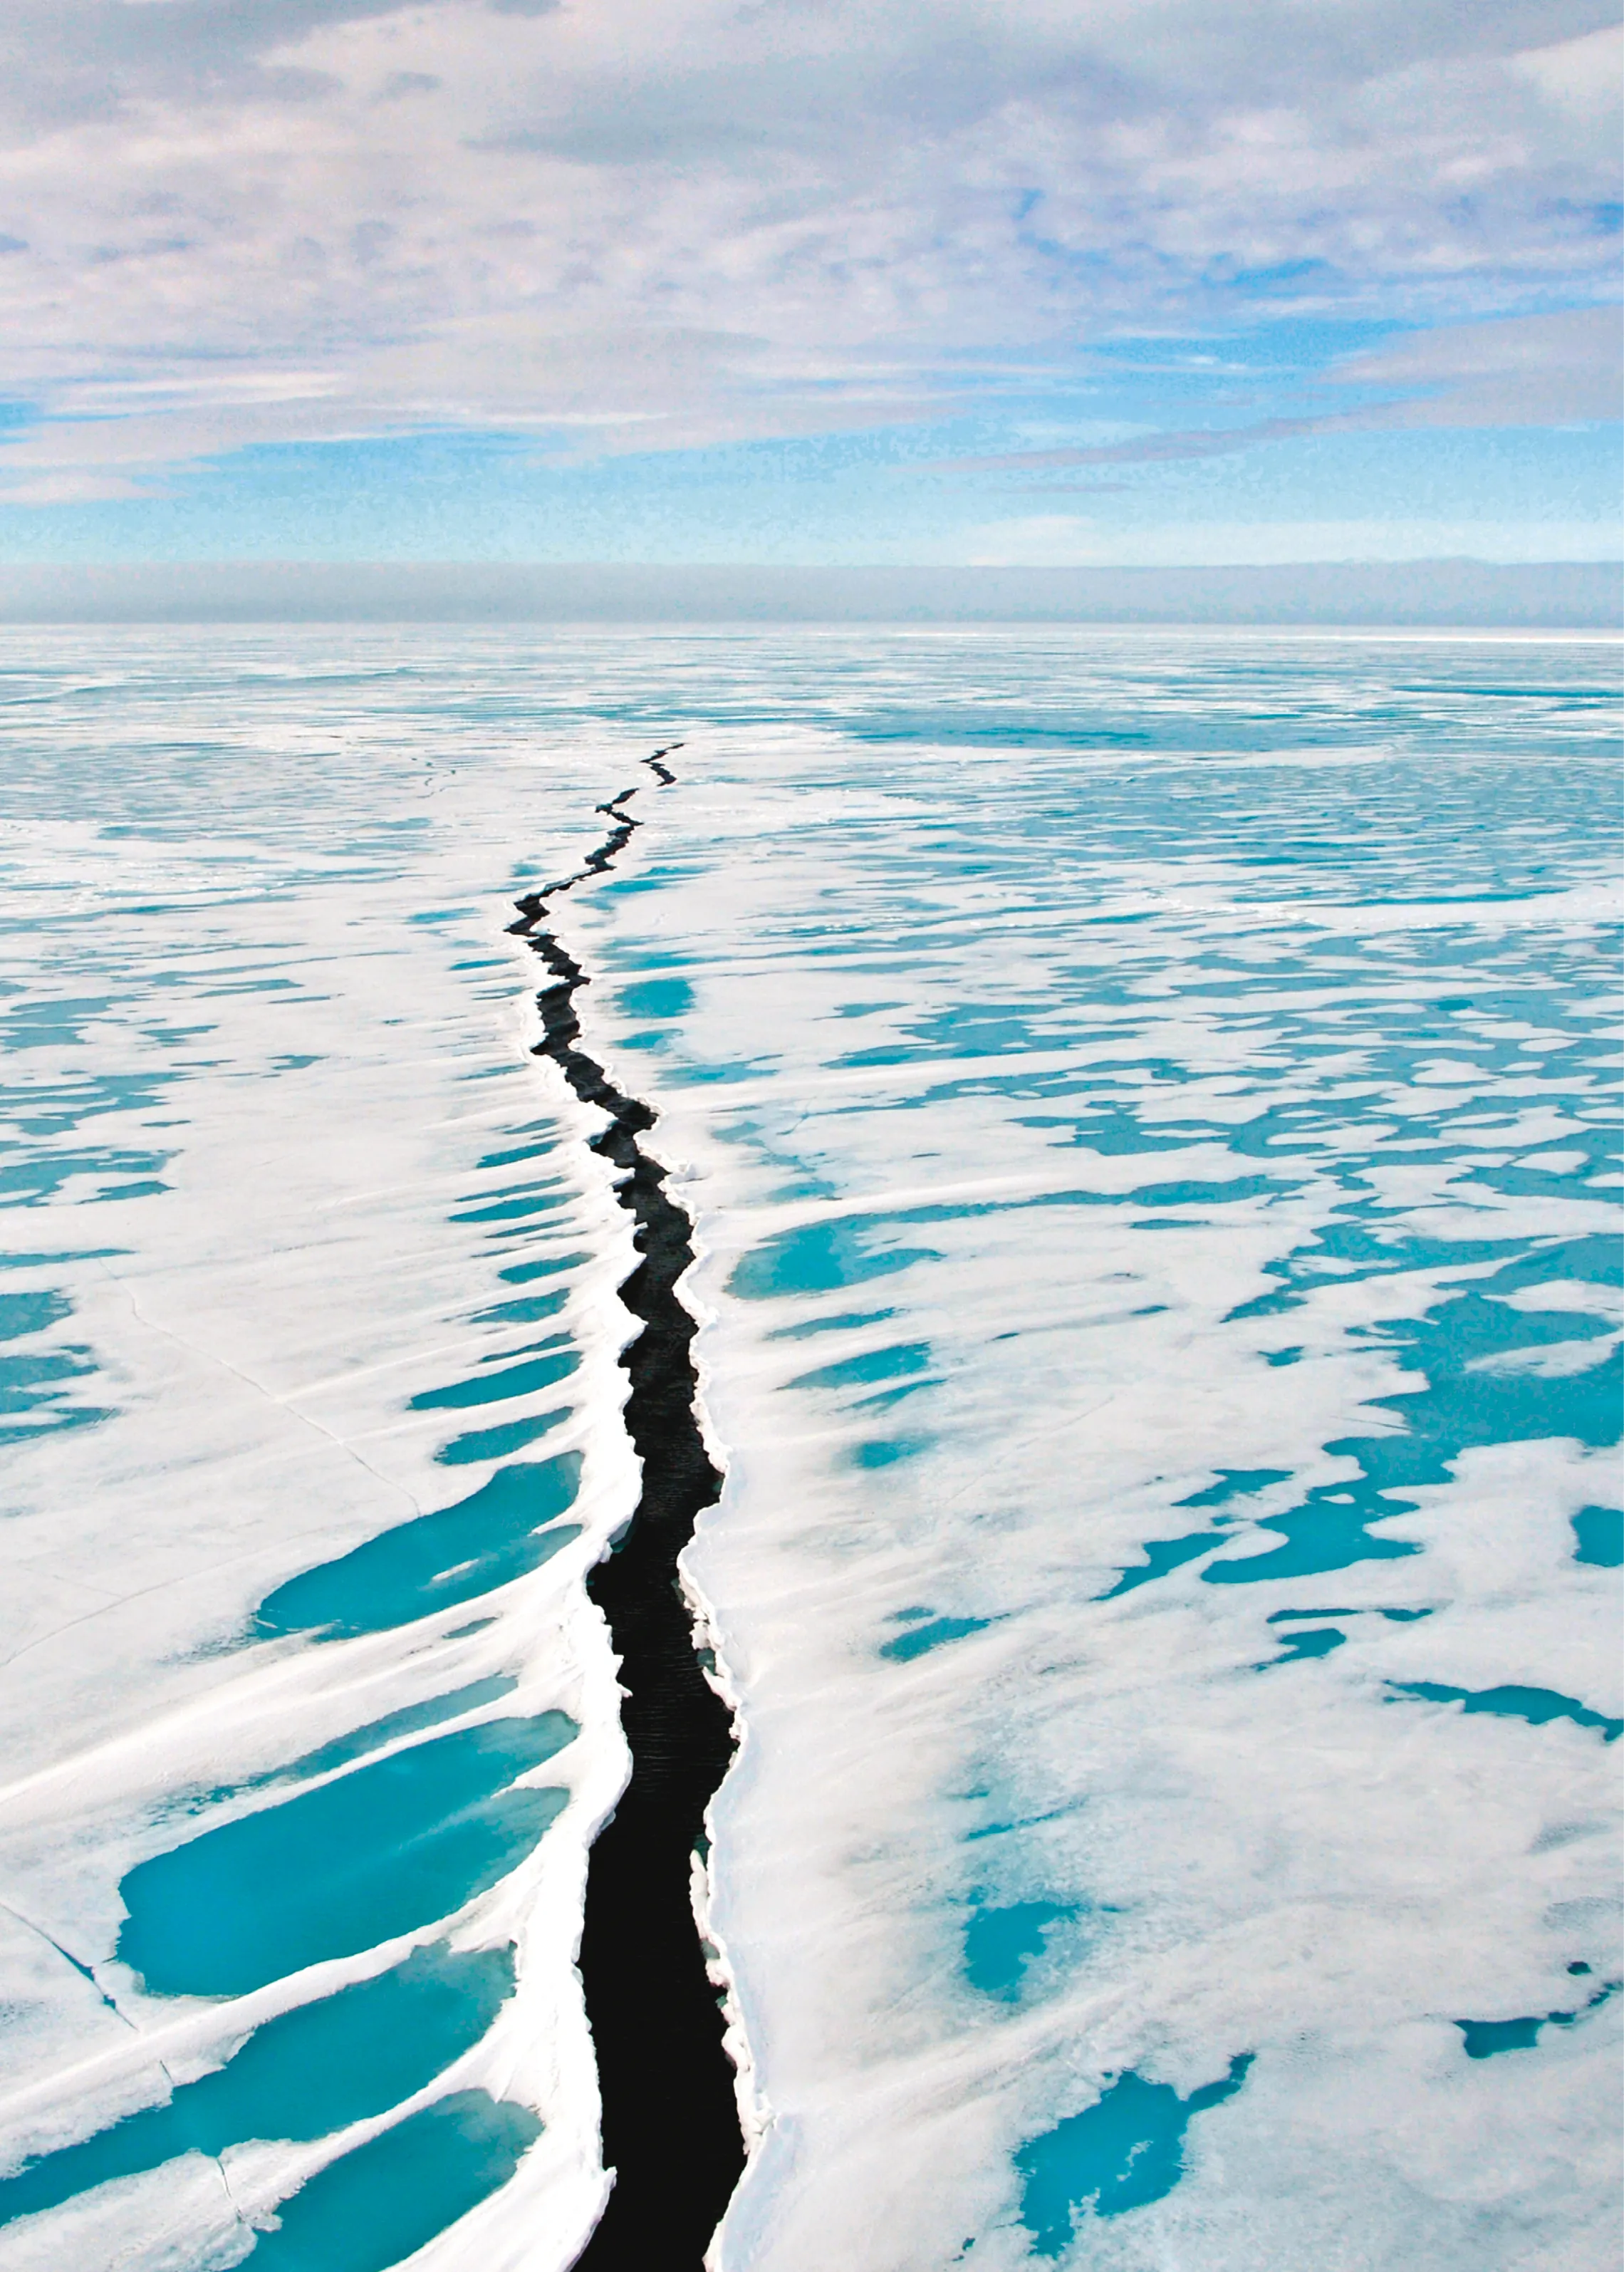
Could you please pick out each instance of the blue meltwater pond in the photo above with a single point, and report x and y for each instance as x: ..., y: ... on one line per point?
x: 1148, y: 1106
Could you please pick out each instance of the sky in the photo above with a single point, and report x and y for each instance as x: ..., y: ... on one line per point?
x: 1019, y: 283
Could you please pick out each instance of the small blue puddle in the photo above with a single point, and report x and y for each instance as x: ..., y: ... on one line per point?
x: 888, y: 1399
x: 33, y: 1389
x: 482, y: 1444
x: 494, y: 1388
x: 1164, y: 1555
x: 1325, y: 1534
x: 52, y: 1024
x: 1243, y: 1187
x: 381, y: 2202
x: 1001, y: 1943
x: 435, y: 1562
x: 34, y: 1386
x: 302, y: 2075
x: 327, y: 1758
x: 385, y: 1849
x: 1536, y: 1705
x: 817, y: 1258
x: 30, y: 1313
x: 1161, y: 1555
x: 527, y: 1310
x: 885, y: 1450
x: 1599, y: 1537
x: 1121, y: 2153
x: 847, y: 1318
x: 1487, y: 2038
x: 516, y: 1155
x: 514, y: 1208
x: 656, y: 998
x: 39, y: 1177
x: 548, y: 1265
x: 896, y: 1362
x: 1317, y: 1641
x: 921, y: 1637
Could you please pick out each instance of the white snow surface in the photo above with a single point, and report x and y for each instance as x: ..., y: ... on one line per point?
x: 224, y: 858
x: 899, y: 1028
x: 1066, y: 1183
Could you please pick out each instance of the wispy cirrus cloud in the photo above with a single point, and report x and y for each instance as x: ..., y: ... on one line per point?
x: 1554, y: 370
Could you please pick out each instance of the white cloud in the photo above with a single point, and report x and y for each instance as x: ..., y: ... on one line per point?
x: 1582, y: 79
x: 73, y: 485
x: 1547, y: 370
x: 1563, y: 369
x: 261, y: 220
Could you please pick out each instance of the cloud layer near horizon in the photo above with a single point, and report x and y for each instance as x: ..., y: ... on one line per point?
x: 236, y: 222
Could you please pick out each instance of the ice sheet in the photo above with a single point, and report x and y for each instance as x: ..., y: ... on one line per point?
x: 1148, y: 1105
x: 1160, y: 1285
x: 312, y: 1411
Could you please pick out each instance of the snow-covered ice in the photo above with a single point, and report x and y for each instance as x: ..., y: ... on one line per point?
x: 1148, y: 1105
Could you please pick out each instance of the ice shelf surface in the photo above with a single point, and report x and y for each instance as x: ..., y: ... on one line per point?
x: 1149, y: 1107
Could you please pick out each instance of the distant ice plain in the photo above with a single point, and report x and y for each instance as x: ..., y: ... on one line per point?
x: 1148, y: 1103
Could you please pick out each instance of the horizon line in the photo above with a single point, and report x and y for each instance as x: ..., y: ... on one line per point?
x: 1454, y: 592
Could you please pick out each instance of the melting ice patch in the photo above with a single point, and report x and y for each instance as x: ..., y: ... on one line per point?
x: 305, y: 2073
x: 1122, y: 2153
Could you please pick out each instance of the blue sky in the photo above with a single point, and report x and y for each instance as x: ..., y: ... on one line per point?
x: 1147, y: 281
